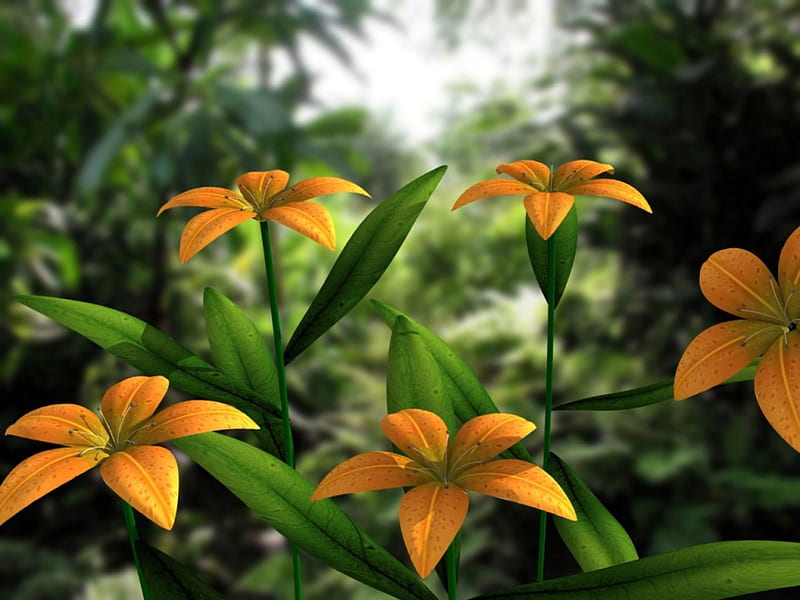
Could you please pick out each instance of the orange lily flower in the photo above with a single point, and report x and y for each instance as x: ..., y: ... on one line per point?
x: 263, y: 197
x: 433, y: 511
x: 550, y: 196
x: 736, y: 281
x: 121, y: 441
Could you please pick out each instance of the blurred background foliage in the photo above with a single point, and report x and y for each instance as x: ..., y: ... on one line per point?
x: 694, y: 101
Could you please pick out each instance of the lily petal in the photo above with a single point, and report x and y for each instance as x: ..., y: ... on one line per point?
x: 736, y: 281
x: 39, y: 475
x: 720, y: 352
x: 258, y: 187
x: 521, y: 482
x: 316, y: 187
x: 191, y: 417
x: 531, y: 172
x: 309, y: 218
x: 547, y: 210
x: 419, y: 433
x: 789, y: 274
x: 64, y: 424
x: 203, y: 229
x: 578, y: 171
x: 486, y: 436
x: 491, y: 188
x: 370, y: 471
x: 146, y: 477
x: 611, y: 188
x: 206, y: 197
x: 131, y: 401
x: 777, y: 385
x: 430, y: 517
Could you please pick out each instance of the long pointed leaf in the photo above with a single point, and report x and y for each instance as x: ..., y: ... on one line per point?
x: 706, y: 572
x: 466, y: 394
x: 642, y: 396
x: 413, y: 378
x: 155, y: 353
x: 280, y: 496
x: 167, y: 578
x: 565, y: 239
x: 596, y: 539
x: 363, y: 260
x: 238, y: 349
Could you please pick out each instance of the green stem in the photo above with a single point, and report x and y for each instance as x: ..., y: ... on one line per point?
x: 133, y: 535
x: 288, y: 444
x: 548, y: 391
x: 452, y: 570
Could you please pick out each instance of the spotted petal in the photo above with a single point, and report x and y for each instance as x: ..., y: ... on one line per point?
x: 430, y: 517
x: 206, y: 197
x: 547, y: 210
x: 491, y: 188
x: 611, y: 188
x: 39, y: 475
x: 64, y: 424
x: 720, y: 352
x: 531, y: 172
x: 521, y: 482
x: 316, y: 187
x: 203, y: 229
x: 418, y: 433
x: 486, y: 436
x: 131, y: 401
x: 577, y: 171
x: 370, y: 471
x: 736, y: 281
x: 789, y: 274
x: 189, y: 418
x: 259, y: 186
x: 309, y: 218
x: 146, y: 477
x: 777, y: 385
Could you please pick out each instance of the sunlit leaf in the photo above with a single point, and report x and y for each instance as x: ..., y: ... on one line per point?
x: 363, y: 260
x: 281, y: 496
x: 596, y: 539
x: 705, y: 572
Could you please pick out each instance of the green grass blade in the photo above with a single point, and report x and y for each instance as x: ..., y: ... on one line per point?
x: 596, y: 539
x: 280, y: 496
x: 155, y: 353
x: 642, y: 396
x: 706, y: 572
x: 363, y: 260
x: 168, y: 578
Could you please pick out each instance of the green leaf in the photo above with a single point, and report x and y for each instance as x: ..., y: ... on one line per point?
x: 238, y: 349
x: 642, y: 396
x: 565, y: 239
x: 280, y: 496
x: 464, y: 391
x: 167, y: 578
x: 363, y: 260
x: 413, y: 377
x: 596, y: 539
x: 155, y: 353
x: 706, y: 572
